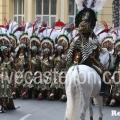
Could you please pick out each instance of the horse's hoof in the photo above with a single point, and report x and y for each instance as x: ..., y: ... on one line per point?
x: 100, y: 118
x: 91, y: 117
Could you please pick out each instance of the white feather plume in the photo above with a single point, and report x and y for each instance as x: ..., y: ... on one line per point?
x: 99, y: 5
x: 89, y: 3
x: 98, y: 28
x: 79, y: 4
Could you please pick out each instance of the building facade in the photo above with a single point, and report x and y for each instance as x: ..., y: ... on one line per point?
x: 48, y: 10
x: 116, y: 13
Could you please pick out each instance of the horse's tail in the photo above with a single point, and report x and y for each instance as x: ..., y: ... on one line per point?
x: 73, y: 92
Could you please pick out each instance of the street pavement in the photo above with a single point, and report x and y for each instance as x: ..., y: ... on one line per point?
x: 48, y: 110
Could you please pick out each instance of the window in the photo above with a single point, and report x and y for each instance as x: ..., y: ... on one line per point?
x: 18, y: 10
x: 46, y: 10
x: 72, y: 11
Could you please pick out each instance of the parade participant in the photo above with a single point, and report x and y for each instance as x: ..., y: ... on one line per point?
x: 34, y: 64
x: 46, y: 67
x: 21, y: 63
x: 115, y: 95
x: 115, y: 98
x: 106, y: 39
x: 117, y: 47
x: 6, y: 68
x: 61, y: 40
x: 108, y: 43
x: 12, y: 48
x: 34, y: 47
x: 85, y: 22
x: 59, y: 66
x: 51, y: 35
x: 14, y: 31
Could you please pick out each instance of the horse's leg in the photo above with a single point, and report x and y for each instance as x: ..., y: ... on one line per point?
x: 73, y: 103
x: 99, y: 100
x: 83, y: 107
x: 74, y: 96
x: 83, y: 112
x: 90, y: 110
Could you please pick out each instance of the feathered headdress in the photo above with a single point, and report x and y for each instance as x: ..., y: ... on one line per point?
x: 4, y: 40
x: 95, y: 5
x: 13, y: 26
x: 63, y: 40
x: 34, y: 41
x: 47, y: 43
x: 104, y: 34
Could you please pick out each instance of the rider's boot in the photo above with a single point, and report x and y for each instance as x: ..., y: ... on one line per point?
x: 105, y: 90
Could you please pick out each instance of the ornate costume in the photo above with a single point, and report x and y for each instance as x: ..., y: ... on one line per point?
x: 115, y: 96
x: 60, y: 64
x: 21, y: 63
x: 116, y: 85
x: 34, y: 64
x: 6, y: 84
x: 105, y: 36
x: 46, y: 66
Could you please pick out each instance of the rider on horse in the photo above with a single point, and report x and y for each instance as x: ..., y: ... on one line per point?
x: 85, y: 22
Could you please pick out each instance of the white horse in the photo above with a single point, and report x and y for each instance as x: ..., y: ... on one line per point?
x: 82, y: 84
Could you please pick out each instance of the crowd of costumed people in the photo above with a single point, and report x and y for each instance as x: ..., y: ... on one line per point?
x: 41, y: 52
